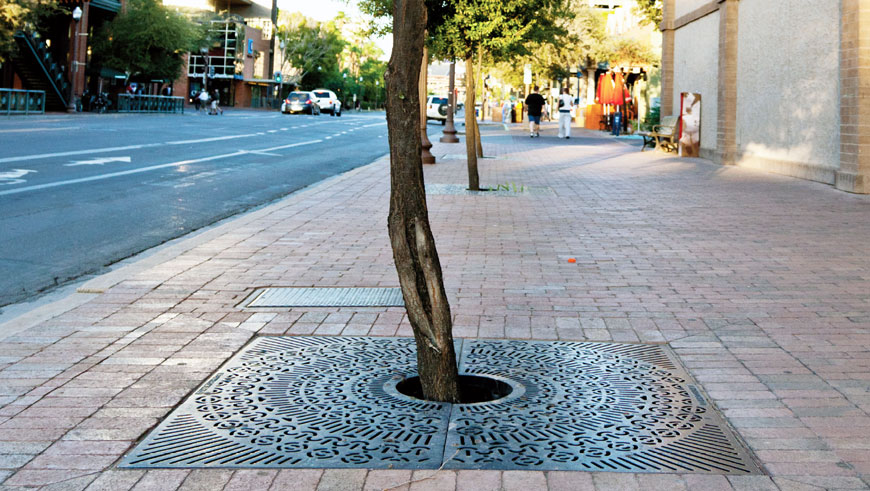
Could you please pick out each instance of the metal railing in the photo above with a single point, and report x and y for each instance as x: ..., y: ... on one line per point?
x: 129, y: 103
x: 14, y: 101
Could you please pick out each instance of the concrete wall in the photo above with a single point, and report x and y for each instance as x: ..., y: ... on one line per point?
x: 787, y: 89
x: 696, y: 68
x: 683, y: 7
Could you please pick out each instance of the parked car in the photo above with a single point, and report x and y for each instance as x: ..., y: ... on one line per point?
x: 300, y: 102
x: 436, y: 108
x: 328, y: 101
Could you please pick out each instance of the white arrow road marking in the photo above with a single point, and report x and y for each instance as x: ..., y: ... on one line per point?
x: 98, y: 161
x: 14, y: 176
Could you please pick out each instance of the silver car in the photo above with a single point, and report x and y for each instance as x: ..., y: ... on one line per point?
x: 300, y: 102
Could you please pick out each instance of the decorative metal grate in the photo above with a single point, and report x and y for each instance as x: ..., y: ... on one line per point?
x: 331, y: 402
x: 327, y: 297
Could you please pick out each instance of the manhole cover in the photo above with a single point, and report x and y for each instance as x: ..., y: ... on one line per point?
x: 332, y: 402
x: 462, y: 189
x: 327, y: 297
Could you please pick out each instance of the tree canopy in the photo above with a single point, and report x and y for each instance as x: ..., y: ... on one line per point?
x: 147, y: 40
x: 503, y: 29
x: 651, y: 10
x: 310, y: 49
x: 16, y: 15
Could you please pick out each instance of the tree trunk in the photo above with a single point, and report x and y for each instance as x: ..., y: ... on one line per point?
x: 470, y: 126
x: 478, y: 146
x: 411, y: 238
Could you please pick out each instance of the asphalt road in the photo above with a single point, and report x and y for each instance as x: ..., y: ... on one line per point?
x: 80, y: 192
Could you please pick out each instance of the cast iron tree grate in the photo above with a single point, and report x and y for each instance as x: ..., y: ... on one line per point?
x: 303, y: 402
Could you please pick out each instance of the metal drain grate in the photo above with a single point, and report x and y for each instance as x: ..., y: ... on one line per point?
x: 331, y: 402
x: 327, y: 297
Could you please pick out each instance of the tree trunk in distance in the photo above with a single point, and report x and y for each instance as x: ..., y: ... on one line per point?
x: 425, y: 155
x: 470, y: 127
x: 482, y: 85
x: 449, y: 127
x: 411, y: 238
x: 478, y: 146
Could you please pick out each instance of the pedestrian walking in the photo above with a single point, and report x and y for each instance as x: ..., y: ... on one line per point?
x: 215, y: 107
x: 203, y: 99
x: 566, y: 108
x: 534, y: 106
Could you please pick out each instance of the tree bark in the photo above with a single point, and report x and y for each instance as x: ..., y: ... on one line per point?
x: 411, y: 238
x: 478, y: 146
x: 470, y: 126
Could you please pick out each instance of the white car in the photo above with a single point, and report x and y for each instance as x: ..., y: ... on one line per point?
x: 328, y: 101
x: 436, y: 108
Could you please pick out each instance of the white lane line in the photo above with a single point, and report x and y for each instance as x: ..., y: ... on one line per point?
x: 257, y: 152
x: 100, y: 177
x: 287, y: 146
x: 152, y: 167
x: 78, y: 152
x: 327, y: 138
x: 28, y: 130
x: 116, y: 149
x: 214, y: 139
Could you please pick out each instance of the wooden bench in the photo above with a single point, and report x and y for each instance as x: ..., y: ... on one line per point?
x: 663, y: 135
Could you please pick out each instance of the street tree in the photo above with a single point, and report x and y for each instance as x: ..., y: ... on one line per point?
x: 413, y: 245
x: 147, y: 40
x: 504, y: 29
x: 651, y: 10
x: 17, y: 15
x: 310, y: 50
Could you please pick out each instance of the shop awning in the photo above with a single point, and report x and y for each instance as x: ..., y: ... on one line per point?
x: 107, y: 72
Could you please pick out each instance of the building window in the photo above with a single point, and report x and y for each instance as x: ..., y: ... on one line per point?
x: 221, y: 61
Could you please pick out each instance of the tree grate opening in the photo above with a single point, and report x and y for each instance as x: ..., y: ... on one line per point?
x: 335, y: 402
x: 473, y: 389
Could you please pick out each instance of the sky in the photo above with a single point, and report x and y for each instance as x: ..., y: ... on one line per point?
x: 324, y: 10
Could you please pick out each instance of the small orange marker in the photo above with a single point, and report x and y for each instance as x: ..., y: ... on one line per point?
x: 572, y: 260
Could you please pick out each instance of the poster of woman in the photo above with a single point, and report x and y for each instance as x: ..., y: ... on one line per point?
x: 690, y: 124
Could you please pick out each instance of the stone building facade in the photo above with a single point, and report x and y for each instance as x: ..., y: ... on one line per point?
x: 783, y: 84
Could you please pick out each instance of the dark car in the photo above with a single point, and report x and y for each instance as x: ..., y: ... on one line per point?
x: 300, y: 102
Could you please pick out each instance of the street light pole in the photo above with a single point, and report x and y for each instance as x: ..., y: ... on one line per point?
x: 450, y: 128
x: 74, y: 65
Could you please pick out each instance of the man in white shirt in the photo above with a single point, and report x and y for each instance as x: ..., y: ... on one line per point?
x: 566, y: 107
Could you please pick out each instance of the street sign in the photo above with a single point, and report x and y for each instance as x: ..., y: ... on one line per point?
x: 527, y: 74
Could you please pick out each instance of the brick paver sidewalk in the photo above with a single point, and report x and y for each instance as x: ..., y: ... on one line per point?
x: 759, y: 283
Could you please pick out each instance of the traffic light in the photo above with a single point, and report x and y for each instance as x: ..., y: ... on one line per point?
x: 278, y: 77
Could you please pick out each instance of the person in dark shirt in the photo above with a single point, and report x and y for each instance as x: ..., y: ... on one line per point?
x: 534, y: 105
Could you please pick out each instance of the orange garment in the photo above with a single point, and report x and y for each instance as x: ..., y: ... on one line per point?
x: 617, y: 97
x: 605, y: 89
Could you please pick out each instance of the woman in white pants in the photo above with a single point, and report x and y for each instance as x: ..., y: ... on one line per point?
x: 566, y: 105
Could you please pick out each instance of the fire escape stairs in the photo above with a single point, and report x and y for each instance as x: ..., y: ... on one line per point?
x: 39, y: 71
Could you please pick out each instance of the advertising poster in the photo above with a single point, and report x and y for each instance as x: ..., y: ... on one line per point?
x: 690, y: 124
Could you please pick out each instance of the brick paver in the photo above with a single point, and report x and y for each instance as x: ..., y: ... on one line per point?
x: 758, y: 282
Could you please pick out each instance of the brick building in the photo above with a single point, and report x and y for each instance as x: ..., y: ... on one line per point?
x: 783, y: 85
